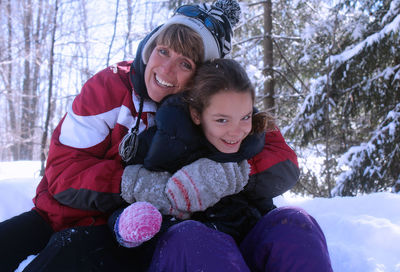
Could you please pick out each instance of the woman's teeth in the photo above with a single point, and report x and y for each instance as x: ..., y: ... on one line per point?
x: 163, y: 83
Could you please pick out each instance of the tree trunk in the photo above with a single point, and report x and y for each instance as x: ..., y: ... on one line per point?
x: 114, y: 32
x: 128, y: 39
x: 36, y: 73
x: 269, y: 93
x: 25, y: 152
x: 43, y: 146
x: 327, y: 120
x: 9, y: 86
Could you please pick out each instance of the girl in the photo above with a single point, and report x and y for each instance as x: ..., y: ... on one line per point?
x: 213, y: 119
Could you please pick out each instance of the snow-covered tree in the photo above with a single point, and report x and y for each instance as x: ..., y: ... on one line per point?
x: 355, y: 95
x: 376, y: 84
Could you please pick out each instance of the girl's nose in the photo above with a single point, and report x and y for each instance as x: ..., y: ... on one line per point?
x: 235, y: 130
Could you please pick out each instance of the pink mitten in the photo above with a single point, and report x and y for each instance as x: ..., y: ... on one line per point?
x: 138, y: 223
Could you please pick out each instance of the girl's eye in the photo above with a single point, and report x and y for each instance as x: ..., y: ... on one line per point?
x: 187, y: 66
x: 247, y: 117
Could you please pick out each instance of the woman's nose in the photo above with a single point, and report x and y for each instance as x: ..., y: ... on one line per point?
x: 168, y: 66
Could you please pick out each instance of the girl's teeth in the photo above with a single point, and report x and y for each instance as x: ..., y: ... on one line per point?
x: 164, y: 83
x: 231, y: 142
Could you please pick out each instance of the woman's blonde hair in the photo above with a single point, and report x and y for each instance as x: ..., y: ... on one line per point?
x: 182, y: 40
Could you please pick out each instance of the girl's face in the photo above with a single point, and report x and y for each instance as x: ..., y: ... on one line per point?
x: 167, y: 72
x: 227, y: 120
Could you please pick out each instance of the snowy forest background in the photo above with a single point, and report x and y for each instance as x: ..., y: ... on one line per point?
x: 329, y: 71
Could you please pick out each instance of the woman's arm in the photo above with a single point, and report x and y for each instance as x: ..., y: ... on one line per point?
x: 84, y: 168
x: 273, y: 171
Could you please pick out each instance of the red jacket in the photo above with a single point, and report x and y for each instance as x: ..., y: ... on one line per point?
x: 81, y: 185
x: 83, y: 172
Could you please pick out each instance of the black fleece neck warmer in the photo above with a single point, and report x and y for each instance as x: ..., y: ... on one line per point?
x: 138, y: 67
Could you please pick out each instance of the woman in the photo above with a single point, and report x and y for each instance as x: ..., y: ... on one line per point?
x: 81, y: 185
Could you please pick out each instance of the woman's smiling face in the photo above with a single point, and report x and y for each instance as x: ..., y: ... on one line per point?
x: 167, y: 72
x: 227, y: 120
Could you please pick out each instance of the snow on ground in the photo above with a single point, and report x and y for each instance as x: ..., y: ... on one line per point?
x: 363, y: 233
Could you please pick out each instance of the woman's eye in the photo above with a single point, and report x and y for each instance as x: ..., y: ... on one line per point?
x: 247, y: 117
x: 163, y: 51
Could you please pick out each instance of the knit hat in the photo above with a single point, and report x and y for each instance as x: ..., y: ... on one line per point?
x: 212, y: 22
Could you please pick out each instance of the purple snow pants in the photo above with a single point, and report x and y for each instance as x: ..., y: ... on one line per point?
x: 286, y: 239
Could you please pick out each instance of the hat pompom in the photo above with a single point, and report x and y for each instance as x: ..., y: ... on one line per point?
x: 231, y: 9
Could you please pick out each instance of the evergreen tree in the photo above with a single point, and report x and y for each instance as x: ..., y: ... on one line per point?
x: 357, y: 88
x: 368, y: 77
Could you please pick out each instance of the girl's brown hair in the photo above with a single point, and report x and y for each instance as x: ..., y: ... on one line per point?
x: 220, y: 75
x: 182, y: 40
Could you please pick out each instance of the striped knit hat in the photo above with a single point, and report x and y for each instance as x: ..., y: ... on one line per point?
x: 212, y: 22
